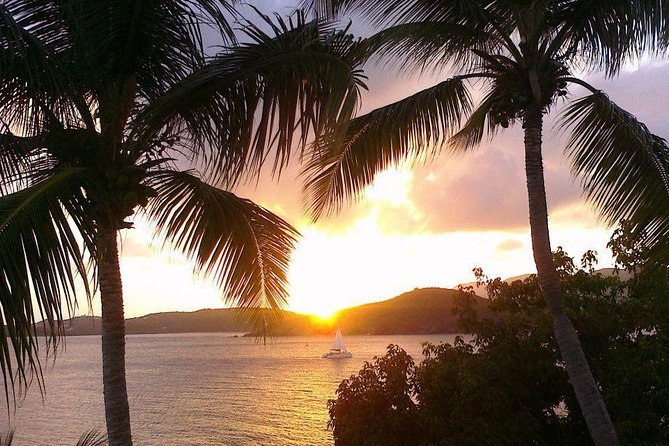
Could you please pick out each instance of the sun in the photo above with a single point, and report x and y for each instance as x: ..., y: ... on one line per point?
x: 324, y: 314
x: 325, y: 320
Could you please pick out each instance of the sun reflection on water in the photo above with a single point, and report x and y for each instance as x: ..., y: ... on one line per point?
x: 202, y: 389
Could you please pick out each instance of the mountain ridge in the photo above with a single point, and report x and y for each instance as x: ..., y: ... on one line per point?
x: 420, y: 311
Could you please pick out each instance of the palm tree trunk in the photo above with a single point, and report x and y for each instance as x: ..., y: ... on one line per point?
x: 580, y: 376
x: 113, y: 340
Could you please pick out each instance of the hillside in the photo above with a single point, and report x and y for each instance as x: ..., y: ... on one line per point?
x: 201, y: 321
x: 421, y: 311
x: 606, y: 272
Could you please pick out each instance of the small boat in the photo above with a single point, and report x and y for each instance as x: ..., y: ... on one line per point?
x: 338, y: 350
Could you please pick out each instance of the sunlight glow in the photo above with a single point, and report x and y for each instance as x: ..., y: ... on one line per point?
x: 391, y: 186
x: 330, y: 272
x: 337, y: 267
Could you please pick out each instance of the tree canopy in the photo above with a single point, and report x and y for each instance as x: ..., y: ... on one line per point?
x: 109, y: 108
x: 504, y: 383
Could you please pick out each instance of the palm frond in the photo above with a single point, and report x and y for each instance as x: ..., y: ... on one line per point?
x: 23, y: 162
x: 7, y: 439
x: 604, y: 34
x: 419, y: 45
x: 415, y: 126
x: 492, y: 21
x: 622, y: 164
x: 297, y: 80
x: 32, y: 79
x: 31, y: 34
x: 43, y: 236
x: 478, y: 124
x: 241, y: 246
x: 12, y: 161
x: 153, y: 44
x: 92, y: 438
x: 325, y: 9
x: 383, y: 12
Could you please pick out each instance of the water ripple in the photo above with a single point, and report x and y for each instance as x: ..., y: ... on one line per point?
x: 201, y: 390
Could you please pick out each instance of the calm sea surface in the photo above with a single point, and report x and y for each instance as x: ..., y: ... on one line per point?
x: 200, y: 390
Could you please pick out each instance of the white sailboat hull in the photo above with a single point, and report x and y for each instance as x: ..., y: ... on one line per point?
x: 337, y: 355
x: 338, y: 350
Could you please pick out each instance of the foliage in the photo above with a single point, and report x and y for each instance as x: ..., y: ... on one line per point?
x: 376, y: 406
x: 520, y: 55
x: 103, y: 104
x: 507, y: 385
x: 90, y: 438
x: 524, y: 57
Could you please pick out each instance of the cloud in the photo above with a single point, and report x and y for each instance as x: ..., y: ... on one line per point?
x: 452, y: 213
x: 486, y: 189
x: 138, y: 243
x: 642, y: 91
x: 510, y: 245
x: 483, y: 190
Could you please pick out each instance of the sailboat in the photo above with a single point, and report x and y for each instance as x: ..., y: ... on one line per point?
x: 338, y: 350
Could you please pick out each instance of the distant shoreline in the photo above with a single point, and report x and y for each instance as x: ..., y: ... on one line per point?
x: 251, y: 336
x: 424, y: 311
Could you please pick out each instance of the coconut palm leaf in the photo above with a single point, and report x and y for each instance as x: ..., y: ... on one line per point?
x: 258, y: 96
x: 92, y: 438
x: 12, y: 161
x: 32, y: 47
x: 416, y: 126
x: 162, y: 42
x: 623, y: 165
x: 154, y: 43
x: 242, y: 247
x: 384, y: 12
x: 40, y: 83
x: 32, y: 78
x: 7, y: 439
x: 134, y: 48
x: 485, y: 20
x: 605, y: 34
x: 419, y: 45
x: 23, y: 162
x: 41, y: 257
x: 477, y: 125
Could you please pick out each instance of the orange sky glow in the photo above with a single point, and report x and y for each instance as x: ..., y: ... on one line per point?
x: 419, y: 226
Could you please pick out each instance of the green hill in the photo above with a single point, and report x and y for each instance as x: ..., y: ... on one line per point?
x: 421, y: 311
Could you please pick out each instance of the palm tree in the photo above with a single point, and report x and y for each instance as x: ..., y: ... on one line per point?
x: 525, y: 54
x: 103, y: 106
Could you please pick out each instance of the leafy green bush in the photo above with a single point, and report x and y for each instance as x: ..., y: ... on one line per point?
x: 376, y: 407
x: 507, y: 385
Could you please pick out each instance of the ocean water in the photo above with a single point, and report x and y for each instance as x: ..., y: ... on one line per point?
x: 200, y: 390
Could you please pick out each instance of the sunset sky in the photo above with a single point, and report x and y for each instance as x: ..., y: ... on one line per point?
x: 415, y: 227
